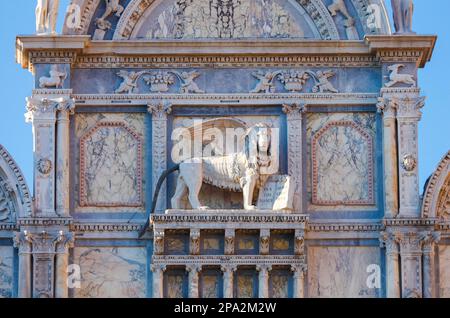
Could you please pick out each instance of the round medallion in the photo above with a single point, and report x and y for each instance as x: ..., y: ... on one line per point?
x: 44, y: 166
x: 409, y: 163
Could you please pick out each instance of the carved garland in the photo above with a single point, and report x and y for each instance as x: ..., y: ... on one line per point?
x: 83, y: 186
x: 370, y: 200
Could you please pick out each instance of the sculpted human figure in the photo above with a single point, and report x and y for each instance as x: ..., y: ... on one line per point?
x: 403, y: 14
x: 46, y: 16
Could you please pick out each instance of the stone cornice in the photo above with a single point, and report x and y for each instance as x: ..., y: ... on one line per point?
x: 45, y: 221
x: 311, y: 99
x: 235, y: 219
x: 402, y: 48
x: 410, y: 222
x: 48, y: 49
x: 345, y: 227
x: 227, y: 259
x: 105, y: 227
x: 164, y: 53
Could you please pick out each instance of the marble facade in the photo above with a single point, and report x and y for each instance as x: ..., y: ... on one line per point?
x: 104, y: 117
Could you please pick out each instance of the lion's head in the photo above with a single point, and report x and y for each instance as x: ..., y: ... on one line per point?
x: 259, y: 148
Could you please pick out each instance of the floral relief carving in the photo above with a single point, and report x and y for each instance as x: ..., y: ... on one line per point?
x: 158, y: 81
x: 294, y: 81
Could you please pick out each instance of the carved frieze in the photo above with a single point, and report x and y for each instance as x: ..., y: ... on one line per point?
x: 158, y: 81
x: 294, y: 80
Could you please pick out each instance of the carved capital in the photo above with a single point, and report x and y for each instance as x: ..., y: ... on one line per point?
x: 410, y: 107
x: 23, y: 241
x: 45, y: 108
x: 390, y: 241
x: 158, y: 269
x: 66, y: 242
x: 387, y: 107
x: 429, y: 239
x: 410, y: 243
x: 159, y: 111
x: 294, y: 111
x: 299, y: 270
x: 264, y: 269
x: 228, y: 269
x: 193, y: 268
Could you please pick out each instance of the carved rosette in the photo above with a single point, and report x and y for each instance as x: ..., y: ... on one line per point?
x: 159, y: 113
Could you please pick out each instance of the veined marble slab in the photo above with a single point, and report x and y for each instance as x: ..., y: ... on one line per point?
x: 341, y: 271
x: 6, y: 271
x: 111, y: 272
x: 341, y: 165
x: 444, y: 271
x: 112, y: 148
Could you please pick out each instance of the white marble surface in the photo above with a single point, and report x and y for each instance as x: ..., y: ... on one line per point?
x: 252, y: 18
x: 341, y: 271
x: 111, y: 272
x: 209, y: 195
x: 6, y: 271
x: 444, y: 271
x: 111, y: 175
x: 342, y: 160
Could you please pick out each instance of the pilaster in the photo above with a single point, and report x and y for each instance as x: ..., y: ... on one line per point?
x: 263, y: 279
x: 193, y: 271
x: 294, y: 114
x: 42, y: 111
x: 158, y: 280
x: 228, y: 280
x: 299, y: 273
x: 159, y: 114
x: 390, y: 242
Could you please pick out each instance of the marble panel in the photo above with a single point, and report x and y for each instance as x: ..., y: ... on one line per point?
x: 6, y: 271
x: 279, y: 284
x: 341, y: 161
x: 210, y: 285
x: 111, y: 166
x: 245, y: 285
x: 444, y: 271
x: 111, y: 272
x: 341, y: 272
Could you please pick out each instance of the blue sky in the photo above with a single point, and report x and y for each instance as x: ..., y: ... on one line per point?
x: 16, y: 84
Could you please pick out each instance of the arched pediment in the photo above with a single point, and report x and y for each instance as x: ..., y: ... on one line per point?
x: 15, y: 199
x: 436, y: 200
x: 237, y: 19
